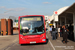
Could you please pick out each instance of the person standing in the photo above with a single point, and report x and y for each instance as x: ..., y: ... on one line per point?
x: 70, y: 32
x: 59, y: 32
x: 53, y: 33
x: 64, y: 31
x: 51, y: 30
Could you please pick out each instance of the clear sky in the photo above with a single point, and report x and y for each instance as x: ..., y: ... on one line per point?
x: 31, y: 7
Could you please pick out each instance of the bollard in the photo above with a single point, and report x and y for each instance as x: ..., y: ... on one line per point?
x: 2, y: 33
x: 6, y: 32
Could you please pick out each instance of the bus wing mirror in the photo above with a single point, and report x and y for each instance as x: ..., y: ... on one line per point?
x: 46, y: 29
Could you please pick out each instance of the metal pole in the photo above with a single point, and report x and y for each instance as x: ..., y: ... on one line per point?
x: 65, y: 21
x: 74, y: 24
x: 54, y: 21
x: 60, y: 20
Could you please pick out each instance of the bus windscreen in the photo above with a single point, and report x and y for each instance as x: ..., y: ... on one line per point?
x: 31, y: 25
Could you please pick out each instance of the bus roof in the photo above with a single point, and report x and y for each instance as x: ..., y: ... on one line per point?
x: 31, y: 15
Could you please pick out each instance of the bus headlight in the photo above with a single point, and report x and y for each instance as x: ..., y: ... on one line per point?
x: 43, y: 40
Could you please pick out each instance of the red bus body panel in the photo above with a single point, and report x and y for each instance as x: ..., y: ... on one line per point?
x: 28, y: 39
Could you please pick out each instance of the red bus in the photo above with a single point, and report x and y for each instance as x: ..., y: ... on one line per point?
x: 32, y: 29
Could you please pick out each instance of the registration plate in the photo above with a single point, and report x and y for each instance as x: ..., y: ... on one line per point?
x: 32, y: 42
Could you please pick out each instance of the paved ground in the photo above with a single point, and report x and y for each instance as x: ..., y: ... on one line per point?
x: 58, y: 45
x: 31, y: 47
x: 11, y: 43
x: 8, y: 40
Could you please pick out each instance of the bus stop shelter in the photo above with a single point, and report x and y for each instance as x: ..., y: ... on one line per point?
x: 68, y: 17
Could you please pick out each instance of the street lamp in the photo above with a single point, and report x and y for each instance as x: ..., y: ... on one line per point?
x: 6, y: 12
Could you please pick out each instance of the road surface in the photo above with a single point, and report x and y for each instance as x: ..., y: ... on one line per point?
x: 46, y: 46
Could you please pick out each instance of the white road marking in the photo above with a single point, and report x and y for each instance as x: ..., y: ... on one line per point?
x: 51, y: 43
x: 8, y: 48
